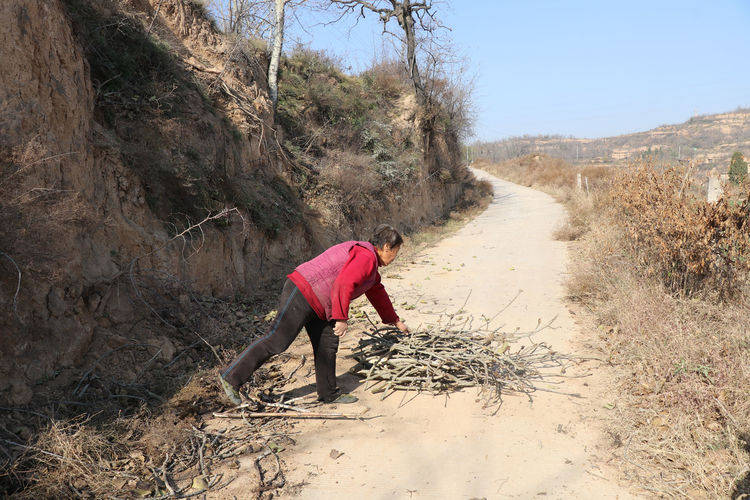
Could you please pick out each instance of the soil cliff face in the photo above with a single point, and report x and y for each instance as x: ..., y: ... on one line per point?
x: 48, y: 169
x: 117, y: 134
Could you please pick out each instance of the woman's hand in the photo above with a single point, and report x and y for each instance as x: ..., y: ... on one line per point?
x: 339, y: 329
x: 401, y: 326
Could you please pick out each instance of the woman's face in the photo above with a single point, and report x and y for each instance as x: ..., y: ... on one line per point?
x: 388, y: 254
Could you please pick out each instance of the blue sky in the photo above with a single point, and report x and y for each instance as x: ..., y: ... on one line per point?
x: 583, y: 68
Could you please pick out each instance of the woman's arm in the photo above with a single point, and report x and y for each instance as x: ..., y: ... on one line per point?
x: 380, y: 300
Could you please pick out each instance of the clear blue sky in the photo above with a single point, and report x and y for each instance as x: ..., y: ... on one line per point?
x: 584, y: 68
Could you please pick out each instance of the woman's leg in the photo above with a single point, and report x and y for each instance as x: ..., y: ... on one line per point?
x: 294, y: 311
x: 325, y: 345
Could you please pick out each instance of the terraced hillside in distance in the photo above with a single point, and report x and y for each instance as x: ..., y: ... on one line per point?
x: 708, y: 140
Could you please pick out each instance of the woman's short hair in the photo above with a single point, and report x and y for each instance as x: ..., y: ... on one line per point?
x: 385, y: 234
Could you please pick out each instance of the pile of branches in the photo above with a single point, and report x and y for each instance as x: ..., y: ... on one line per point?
x: 449, y: 359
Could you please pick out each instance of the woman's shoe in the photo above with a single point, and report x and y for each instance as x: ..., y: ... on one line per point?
x: 341, y: 398
x: 345, y: 398
x: 232, y: 394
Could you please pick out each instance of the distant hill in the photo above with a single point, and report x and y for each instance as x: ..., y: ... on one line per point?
x: 709, y: 140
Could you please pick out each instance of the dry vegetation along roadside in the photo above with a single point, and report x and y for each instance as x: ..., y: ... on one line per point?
x: 664, y: 275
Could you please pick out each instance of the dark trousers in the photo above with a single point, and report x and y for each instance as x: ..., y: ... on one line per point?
x: 294, y: 312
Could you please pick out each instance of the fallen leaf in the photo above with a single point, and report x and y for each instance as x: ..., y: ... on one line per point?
x: 275, y: 447
x: 270, y: 316
x: 335, y: 454
x: 199, y: 483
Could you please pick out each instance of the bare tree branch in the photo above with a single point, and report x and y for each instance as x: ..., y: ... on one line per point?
x: 18, y: 285
x: 411, y: 16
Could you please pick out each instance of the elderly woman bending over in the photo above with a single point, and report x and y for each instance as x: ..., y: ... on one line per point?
x: 317, y: 296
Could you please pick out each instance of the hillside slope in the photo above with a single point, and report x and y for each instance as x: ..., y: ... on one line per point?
x: 121, y: 130
x: 709, y: 140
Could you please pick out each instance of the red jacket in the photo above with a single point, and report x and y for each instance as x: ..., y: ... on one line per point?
x: 342, y: 273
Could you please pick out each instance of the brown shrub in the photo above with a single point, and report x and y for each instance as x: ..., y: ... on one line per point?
x: 352, y: 177
x: 387, y: 77
x: 690, y: 244
x: 476, y: 196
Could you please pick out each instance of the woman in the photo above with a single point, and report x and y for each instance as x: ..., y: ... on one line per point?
x: 317, y: 296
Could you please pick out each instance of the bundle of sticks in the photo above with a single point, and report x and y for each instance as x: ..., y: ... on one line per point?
x: 444, y: 360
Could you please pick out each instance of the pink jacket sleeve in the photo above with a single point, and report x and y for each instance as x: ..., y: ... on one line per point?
x: 360, y: 266
x: 380, y: 300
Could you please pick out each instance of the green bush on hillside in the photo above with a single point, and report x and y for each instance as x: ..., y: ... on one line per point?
x: 325, y: 112
x: 737, y: 168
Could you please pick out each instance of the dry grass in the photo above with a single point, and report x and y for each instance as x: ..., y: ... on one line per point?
x: 545, y: 172
x: 581, y: 210
x: 138, y: 408
x: 682, y: 424
x: 682, y: 401
x: 559, y: 179
x: 136, y: 455
x: 68, y: 459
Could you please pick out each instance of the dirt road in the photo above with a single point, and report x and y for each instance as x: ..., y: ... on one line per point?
x: 438, y: 448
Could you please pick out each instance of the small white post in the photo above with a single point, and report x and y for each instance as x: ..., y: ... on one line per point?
x: 715, y: 190
x: 578, y: 181
x: 587, y: 186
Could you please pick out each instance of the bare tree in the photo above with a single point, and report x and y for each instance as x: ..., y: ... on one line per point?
x: 411, y: 17
x: 260, y: 19
x: 276, y: 46
x: 247, y: 18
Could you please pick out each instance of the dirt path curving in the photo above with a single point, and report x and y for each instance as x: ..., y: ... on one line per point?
x: 438, y: 448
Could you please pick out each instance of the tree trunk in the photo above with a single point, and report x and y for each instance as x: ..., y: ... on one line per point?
x: 232, y: 25
x: 407, y: 23
x: 278, y: 42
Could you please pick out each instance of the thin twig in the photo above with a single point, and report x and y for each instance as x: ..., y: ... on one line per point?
x: 18, y: 285
x: 286, y: 415
x: 156, y: 14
